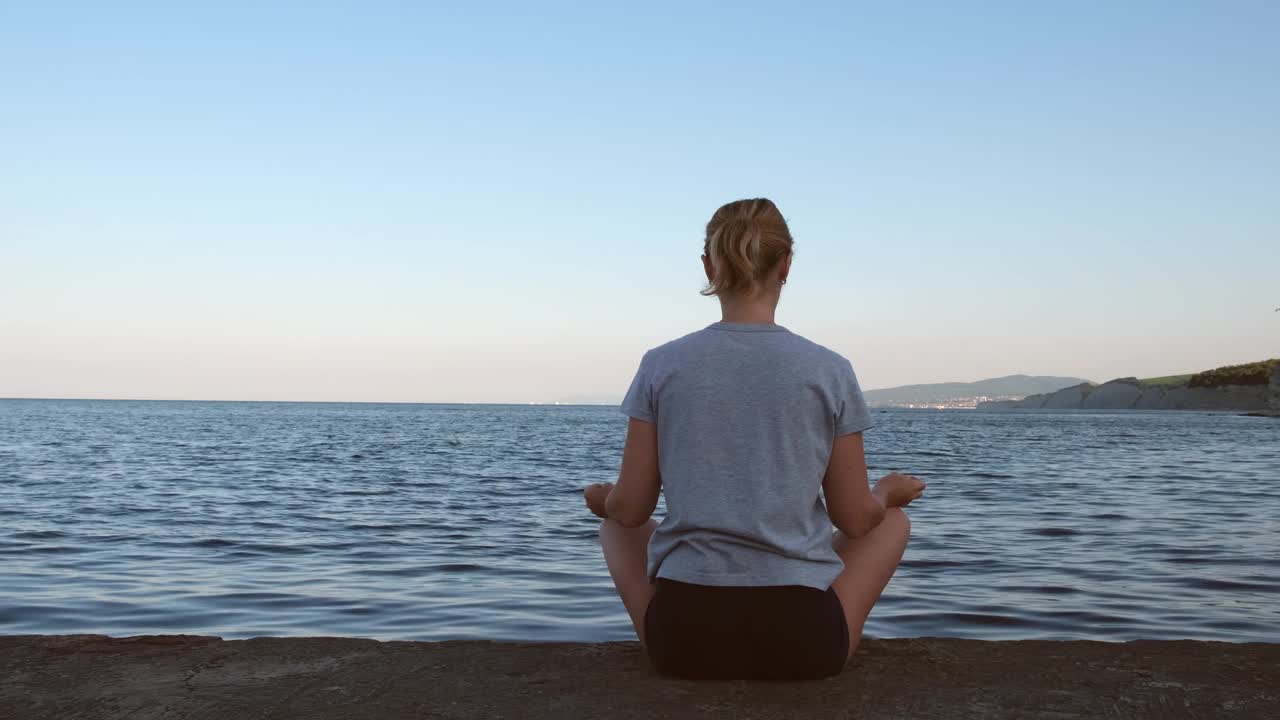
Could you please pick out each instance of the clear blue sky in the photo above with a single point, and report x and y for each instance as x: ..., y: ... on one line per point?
x: 504, y: 202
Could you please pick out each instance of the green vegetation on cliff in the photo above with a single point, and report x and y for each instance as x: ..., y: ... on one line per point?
x: 1167, y: 380
x: 1258, y: 373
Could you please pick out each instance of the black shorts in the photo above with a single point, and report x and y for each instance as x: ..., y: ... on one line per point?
x: 702, y: 632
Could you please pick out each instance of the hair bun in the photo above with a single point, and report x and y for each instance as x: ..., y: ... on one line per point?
x: 746, y: 239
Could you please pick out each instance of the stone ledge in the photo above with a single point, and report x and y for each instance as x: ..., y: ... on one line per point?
x: 187, y: 676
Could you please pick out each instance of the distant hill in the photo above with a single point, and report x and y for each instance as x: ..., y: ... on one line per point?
x: 961, y: 395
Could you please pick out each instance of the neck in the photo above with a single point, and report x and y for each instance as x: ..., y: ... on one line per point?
x: 756, y: 309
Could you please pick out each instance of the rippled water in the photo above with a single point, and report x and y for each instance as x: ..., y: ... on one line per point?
x: 440, y: 521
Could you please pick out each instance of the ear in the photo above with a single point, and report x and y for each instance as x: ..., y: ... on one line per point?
x: 785, y: 269
x: 706, y: 267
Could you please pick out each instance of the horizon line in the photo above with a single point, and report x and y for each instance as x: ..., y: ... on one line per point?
x: 552, y: 403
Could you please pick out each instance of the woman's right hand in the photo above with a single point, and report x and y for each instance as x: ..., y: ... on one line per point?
x: 898, y: 490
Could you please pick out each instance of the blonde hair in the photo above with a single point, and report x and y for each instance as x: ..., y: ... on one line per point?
x: 746, y: 239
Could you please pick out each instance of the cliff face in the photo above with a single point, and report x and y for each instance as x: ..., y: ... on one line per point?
x: 1130, y: 394
x: 1065, y: 398
x: 1273, y: 402
x: 1117, y: 395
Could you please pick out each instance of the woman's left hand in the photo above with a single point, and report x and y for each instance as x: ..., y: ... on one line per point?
x: 595, y: 495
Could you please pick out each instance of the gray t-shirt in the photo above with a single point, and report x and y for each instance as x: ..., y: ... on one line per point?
x: 746, y: 416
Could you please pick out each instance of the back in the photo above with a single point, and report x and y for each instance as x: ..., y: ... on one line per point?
x: 746, y: 415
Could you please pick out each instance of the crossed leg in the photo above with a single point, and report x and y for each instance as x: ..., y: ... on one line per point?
x: 869, y: 563
x: 626, y: 552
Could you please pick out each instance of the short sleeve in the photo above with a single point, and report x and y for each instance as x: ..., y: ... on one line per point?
x: 640, y: 402
x: 852, y: 415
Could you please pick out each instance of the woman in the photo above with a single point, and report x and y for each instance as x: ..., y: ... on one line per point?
x: 747, y: 427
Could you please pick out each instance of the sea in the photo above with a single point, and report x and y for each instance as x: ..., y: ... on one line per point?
x: 435, y: 522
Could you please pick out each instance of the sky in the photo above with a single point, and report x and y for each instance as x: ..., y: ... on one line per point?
x: 504, y: 202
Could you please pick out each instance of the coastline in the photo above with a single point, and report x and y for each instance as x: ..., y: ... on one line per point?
x: 1252, y: 389
x: 180, y: 676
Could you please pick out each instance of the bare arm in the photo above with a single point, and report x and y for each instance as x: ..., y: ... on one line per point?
x: 632, y: 500
x: 854, y: 509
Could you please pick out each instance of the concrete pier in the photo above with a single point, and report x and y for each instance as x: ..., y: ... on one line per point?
x: 151, y: 677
